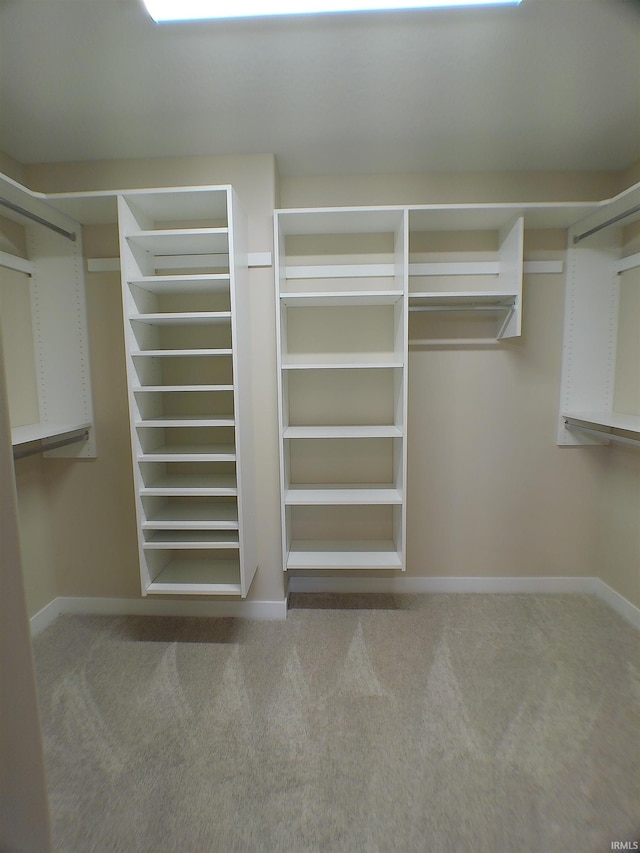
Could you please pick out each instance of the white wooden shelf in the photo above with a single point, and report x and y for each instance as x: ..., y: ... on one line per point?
x: 198, y: 318
x: 611, y: 420
x: 348, y: 431
x: 185, y: 421
x: 179, y: 353
x: 339, y: 298
x: 192, y: 577
x: 171, y: 389
x: 496, y: 299
x: 191, y: 539
x: 369, y: 554
x: 196, y: 485
x: 190, y: 453
x: 326, y: 495
x: 196, y: 515
x: 341, y: 361
x: 186, y: 283
x: 41, y: 432
x: 185, y: 241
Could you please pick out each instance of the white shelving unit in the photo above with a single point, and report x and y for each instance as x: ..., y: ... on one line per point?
x: 603, y: 256
x: 342, y: 355
x: 54, y: 275
x: 185, y: 298
x: 447, y: 276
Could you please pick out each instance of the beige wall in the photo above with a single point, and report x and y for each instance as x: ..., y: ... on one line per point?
x: 490, y: 493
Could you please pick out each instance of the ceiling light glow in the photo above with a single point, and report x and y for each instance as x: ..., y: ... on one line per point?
x: 200, y: 10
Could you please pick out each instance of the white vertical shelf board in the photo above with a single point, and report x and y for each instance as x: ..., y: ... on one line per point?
x: 131, y: 268
x: 511, y: 256
x: 58, y: 307
x: 241, y: 346
x: 283, y: 401
x: 590, y: 330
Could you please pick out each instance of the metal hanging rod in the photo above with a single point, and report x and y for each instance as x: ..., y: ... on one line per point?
x: 44, y: 446
x: 612, y: 221
x: 70, y: 235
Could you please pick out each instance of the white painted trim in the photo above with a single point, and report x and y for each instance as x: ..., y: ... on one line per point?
x: 617, y: 602
x: 277, y: 610
x: 415, y: 585
x: 265, y: 610
x: 45, y: 617
x: 631, y: 262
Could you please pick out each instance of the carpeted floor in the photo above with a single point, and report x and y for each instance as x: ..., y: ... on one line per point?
x: 435, y: 724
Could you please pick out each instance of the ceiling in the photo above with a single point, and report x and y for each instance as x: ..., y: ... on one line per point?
x: 548, y: 85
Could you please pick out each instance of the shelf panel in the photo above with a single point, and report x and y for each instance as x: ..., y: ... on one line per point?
x: 196, y: 485
x: 179, y: 353
x: 160, y: 389
x: 182, y: 421
x: 182, y: 241
x: 470, y: 298
x: 41, y: 431
x: 191, y: 318
x: 611, y: 420
x: 196, y: 515
x: 342, y: 432
x: 190, y: 453
x: 341, y: 361
x: 177, y: 284
x: 191, y: 577
x: 342, y: 495
x: 307, y: 554
x: 337, y: 298
x: 161, y: 539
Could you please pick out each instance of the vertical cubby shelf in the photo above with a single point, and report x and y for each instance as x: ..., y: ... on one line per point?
x: 342, y: 354
x: 185, y: 300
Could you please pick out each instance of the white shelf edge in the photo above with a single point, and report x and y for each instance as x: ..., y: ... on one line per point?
x: 293, y: 432
x: 41, y: 431
x: 351, y: 495
x: 612, y: 420
x: 343, y: 555
x: 16, y: 263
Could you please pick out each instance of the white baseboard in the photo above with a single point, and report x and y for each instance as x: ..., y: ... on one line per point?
x: 277, y: 610
x: 542, y: 586
x: 413, y: 585
x: 156, y: 607
x: 618, y: 603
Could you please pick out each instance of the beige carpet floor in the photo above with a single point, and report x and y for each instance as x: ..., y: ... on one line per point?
x: 492, y: 724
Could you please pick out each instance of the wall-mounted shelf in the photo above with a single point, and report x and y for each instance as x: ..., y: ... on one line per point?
x: 599, y: 399
x: 57, y: 323
x: 187, y: 336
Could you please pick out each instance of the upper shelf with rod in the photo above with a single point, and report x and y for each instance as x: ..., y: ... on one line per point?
x: 600, y: 386
x: 49, y: 382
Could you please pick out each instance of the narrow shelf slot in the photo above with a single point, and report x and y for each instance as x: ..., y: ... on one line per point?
x: 190, y: 513
x: 181, y: 241
x: 368, y: 554
x: 197, y: 577
x: 190, y: 539
x: 342, y: 495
